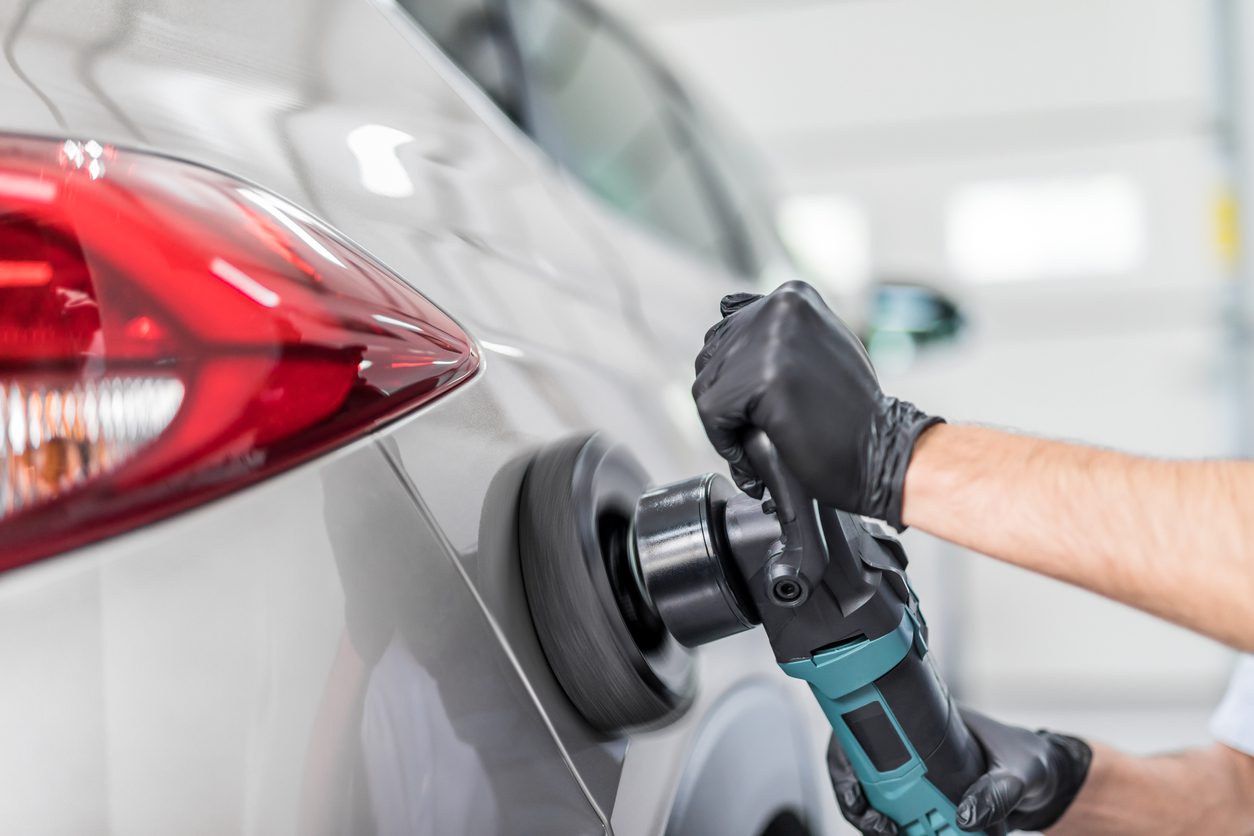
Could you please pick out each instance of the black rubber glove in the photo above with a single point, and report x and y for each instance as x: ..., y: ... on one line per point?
x: 786, y: 364
x: 850, y: 797
x: 1032, y: 779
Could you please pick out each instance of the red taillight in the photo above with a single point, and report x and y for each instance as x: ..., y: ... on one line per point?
x: 169, y: 333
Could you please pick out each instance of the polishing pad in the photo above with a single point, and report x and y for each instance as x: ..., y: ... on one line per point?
x: 604, y: 641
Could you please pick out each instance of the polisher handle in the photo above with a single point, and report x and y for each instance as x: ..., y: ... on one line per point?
x: 887, y: 704
x: 786, y: 492
x: 799, y: 566
x: 856, y: 634
x: 900, y: 730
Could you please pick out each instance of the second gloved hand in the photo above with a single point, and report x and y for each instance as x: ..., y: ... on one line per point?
x: 784, y: 363
x: 1032, y: 779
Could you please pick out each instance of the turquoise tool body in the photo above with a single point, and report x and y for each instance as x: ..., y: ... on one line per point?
x: 893, y: 773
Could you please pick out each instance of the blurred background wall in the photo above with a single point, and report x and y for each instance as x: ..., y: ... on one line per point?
x: 1065, y: 171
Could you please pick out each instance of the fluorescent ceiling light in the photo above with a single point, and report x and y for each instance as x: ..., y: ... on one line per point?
x: 1057, y: 228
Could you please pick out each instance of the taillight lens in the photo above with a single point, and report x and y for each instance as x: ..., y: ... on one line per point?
x: 169, y: 333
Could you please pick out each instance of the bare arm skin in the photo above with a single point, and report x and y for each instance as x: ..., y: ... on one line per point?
x: 1173, y: 538
x: 1207, y: 790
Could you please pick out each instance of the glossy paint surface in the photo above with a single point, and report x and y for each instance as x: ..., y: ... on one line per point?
x: 274, y: 673
x: 290, y: 658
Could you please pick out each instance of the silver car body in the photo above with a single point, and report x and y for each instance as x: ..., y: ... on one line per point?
x: 194, y: 676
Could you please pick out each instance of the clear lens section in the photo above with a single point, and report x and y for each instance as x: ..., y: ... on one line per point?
x: 54, y: 438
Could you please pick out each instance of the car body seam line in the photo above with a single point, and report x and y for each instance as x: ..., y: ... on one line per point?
x: 412, y: 491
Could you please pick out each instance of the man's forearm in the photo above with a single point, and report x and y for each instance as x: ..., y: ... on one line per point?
x: 1200, y: 791
x: 1173, y: 538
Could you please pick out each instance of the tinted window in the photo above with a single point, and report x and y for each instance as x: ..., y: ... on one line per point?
x: 592, y: 101
x: 741, y: 178
x: 475, y: 34
x: 599, y: 108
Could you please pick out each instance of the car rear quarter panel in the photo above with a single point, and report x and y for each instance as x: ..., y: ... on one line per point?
x: 302, y: 657
x: 186, y: 673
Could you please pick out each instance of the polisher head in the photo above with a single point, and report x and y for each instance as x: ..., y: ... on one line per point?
x: 607, y: 647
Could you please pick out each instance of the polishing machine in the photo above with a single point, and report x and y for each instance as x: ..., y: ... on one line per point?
x: 623, y: 581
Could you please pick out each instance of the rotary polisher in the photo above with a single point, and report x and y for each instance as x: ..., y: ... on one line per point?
x: 623, y: 581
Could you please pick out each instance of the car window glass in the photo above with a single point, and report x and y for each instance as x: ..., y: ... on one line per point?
x: 475, y: 34
x: 601, y: 111
x: 742, y: 179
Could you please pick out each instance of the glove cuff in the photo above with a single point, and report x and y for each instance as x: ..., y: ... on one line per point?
x: 1071, y: 759
x: 894, y: 432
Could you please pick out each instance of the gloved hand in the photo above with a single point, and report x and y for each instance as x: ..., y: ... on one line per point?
x: 1032, y: 779
x: 785, y: 364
